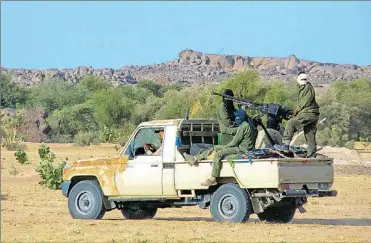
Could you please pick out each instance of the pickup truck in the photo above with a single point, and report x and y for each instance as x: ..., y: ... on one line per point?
x: 138, y: 183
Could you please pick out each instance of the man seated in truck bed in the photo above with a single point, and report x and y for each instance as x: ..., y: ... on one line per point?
x: 242, y: 142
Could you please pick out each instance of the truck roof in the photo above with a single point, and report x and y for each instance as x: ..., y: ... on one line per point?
x: 172, y: 121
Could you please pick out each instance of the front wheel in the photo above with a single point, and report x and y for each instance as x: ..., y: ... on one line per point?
x: 139, y: 212
x: 230, y: 203
x: 281, y: 212
x: 85, y: 201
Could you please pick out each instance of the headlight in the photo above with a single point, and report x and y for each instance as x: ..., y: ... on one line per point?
x: 66, y: 168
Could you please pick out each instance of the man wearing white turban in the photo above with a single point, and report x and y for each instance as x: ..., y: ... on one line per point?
x: 306, y: 115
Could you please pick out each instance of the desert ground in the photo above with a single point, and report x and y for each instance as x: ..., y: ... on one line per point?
x: 32, y: 213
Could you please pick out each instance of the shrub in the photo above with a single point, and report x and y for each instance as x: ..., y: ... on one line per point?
x: 51, y: 176
x: 87, y: 138
x: 107, y: 135
x: 13, y: 170
x: 124, y: 133
x: 22, y: 158
x: 14, y: 146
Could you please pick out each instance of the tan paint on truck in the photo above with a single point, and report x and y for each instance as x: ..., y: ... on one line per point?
x: 102, y: 168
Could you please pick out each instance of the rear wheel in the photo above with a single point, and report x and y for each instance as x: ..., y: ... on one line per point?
x: 85, y: 200
x: 281, y: 212
x: 139, y: 212
x: 230, y: 203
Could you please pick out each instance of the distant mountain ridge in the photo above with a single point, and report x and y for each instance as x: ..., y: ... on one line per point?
x: 196, y: 67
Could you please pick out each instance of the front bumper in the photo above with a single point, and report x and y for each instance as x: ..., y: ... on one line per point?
x: 65, y: 187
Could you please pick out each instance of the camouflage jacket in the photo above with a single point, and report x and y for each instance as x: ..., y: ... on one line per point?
x: 307, y: 100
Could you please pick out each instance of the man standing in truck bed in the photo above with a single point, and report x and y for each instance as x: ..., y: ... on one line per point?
x: 242, y: 142
x: 306, y: 116
x: 226, y: 116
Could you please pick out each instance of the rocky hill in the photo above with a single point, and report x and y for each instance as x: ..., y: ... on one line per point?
x: 192, y: 67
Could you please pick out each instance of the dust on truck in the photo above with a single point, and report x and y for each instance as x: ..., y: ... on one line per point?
x: 138, y: 184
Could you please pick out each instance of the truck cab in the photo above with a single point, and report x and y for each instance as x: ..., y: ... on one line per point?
x: 151, y: 173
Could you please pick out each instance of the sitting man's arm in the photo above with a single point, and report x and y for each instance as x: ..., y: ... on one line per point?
x: 150, y: 148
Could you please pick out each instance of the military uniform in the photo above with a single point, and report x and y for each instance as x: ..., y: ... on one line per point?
x: 307, y: 117
x: 226, y: 125
x: 242, y: 142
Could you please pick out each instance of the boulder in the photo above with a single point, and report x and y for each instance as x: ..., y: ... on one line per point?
x: 291, y: 61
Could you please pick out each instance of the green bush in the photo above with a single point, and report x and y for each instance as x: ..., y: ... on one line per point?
x: 51, y: 176
x: 22, y: 158
x: 87, y: 138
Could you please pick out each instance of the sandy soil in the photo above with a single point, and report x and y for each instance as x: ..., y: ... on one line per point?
x: 31, y: 213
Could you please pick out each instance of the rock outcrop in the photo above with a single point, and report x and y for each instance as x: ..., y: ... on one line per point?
x: 193, y: 67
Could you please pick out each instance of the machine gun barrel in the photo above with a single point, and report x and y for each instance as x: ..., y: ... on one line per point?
x: 244, y: 102
x: 268, y: 109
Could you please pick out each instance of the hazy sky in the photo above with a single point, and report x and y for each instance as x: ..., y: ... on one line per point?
x: 114, y: 34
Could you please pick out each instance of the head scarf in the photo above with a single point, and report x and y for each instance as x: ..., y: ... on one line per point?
x: 302, y: 78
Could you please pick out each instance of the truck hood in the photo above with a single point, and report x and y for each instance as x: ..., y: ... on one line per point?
x: 100, y: 161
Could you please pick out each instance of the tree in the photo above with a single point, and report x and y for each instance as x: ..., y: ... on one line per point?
x: 11, y: 93
x: 72, y: 120
x: 347, y: 109
x: 93, y: 83
x: 112, y: 109
x: 55, y: 95
x: 151, y: 86
x: 246, y: 84
x: 175, y: 104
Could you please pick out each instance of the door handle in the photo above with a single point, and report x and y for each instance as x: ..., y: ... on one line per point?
x: 154, y: 165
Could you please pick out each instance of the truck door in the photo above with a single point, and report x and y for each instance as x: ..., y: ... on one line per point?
x: 168, y: 162
x: 142, y: 176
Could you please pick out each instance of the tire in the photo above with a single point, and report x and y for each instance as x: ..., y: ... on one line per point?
x: 139, y: 212
x: 85, y: 200
x: 230, y: 203
x: 282, y: 212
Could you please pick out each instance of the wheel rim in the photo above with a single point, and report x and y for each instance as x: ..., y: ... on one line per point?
x: 84, y: 202
x: 228, y: 206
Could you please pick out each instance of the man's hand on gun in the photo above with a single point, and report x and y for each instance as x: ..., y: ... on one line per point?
x: 294, y: 112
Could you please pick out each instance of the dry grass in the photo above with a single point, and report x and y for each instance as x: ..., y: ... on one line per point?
x: 31, y: 213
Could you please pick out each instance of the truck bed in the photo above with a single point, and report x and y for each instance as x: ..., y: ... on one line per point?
x: 292, y: 173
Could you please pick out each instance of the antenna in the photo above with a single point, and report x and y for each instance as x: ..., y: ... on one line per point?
x: 220, y: 51
x: 187, y: 114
